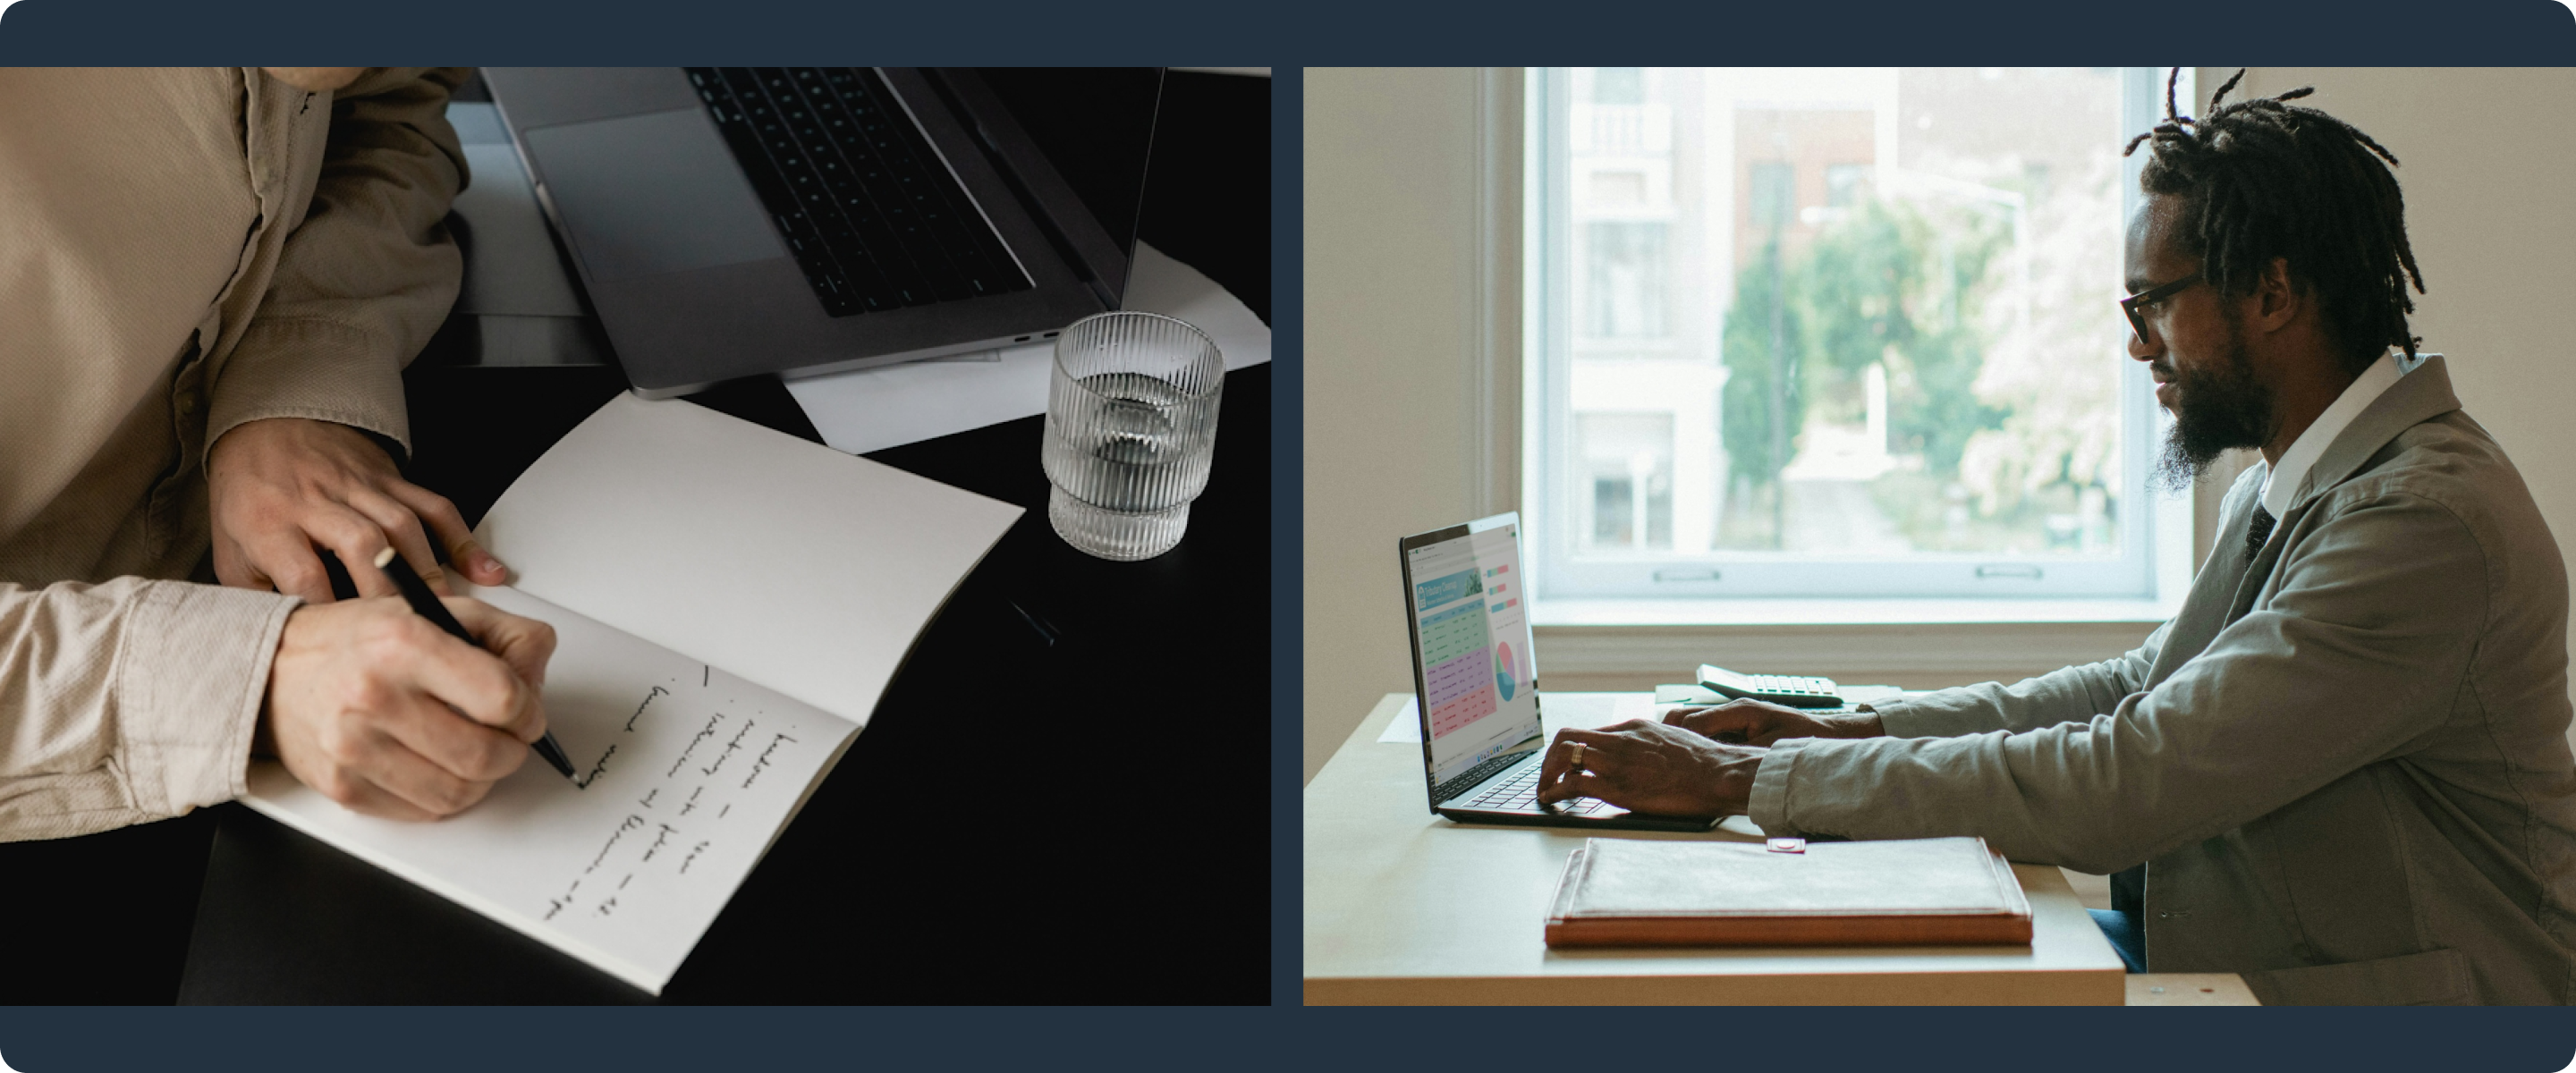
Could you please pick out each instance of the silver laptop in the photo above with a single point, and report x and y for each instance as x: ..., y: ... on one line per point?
x: 1475, y: 683
x: 735, y: 221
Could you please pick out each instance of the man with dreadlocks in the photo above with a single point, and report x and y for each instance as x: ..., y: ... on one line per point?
x: 2342, y: 769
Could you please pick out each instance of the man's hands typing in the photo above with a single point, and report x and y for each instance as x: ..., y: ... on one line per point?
x: 1696, y: 762
x: 1649, y: 767
x: 1754, y: 722
x: 385, y: 713
x: 278, y: 488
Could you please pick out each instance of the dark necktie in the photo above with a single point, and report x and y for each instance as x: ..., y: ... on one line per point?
x: 2257, y: 532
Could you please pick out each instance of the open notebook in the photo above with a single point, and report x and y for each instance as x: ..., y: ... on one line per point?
x: 728, y: 603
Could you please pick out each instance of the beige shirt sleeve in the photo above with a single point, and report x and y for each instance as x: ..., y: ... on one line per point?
x: 127, y: 702
x: 133, y: 700
x: 367, y: 275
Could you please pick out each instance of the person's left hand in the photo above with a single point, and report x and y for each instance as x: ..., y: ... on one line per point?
x: 1649, y: 767
x: 280, y: 487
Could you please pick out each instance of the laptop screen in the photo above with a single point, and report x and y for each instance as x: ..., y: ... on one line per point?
x: 1474, y: 674
x: 1096, y: 126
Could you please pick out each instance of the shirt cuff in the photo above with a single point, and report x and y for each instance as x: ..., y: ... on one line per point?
x: 189, y: 680
x: 311, y: 368
x: 1769, y: 806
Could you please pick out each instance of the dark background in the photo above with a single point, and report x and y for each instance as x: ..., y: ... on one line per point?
x: 1037, y: 812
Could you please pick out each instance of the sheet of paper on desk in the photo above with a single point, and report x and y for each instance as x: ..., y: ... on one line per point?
x: 686, y: 774
x: 874, y: 409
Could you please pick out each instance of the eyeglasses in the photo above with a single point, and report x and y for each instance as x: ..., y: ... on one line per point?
x: 2152, y: 295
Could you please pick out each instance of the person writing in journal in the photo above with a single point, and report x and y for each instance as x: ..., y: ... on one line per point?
x: 2341, y: 770
x: 211, y: 280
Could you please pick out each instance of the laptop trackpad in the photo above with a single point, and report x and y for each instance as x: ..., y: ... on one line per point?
x: 649, y: 194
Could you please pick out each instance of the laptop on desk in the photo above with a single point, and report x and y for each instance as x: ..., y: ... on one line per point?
x: 1475, y: 683
x: 736, y: 221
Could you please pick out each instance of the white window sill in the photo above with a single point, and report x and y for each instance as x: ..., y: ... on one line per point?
x: 1718, y: 613
x: 1917, y: 644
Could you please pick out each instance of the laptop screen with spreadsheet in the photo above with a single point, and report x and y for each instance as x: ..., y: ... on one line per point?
x: 1475, y: 676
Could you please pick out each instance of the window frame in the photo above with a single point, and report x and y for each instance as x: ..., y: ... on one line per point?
x: 2156, y: 535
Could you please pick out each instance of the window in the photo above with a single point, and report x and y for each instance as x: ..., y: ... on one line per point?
x: 1624, y: 264
x: 1769, y: 196
x: 1629, y: 460
x: 1843, y: 184
x: 1836, y: 332
x: 1619, y: 85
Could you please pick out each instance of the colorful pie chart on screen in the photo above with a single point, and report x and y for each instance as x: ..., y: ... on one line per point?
x: 1506, y: 676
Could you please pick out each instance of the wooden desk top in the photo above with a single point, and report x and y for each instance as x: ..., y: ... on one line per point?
x: 1402, y: 907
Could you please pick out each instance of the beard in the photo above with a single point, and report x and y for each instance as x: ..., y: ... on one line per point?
x: 2215, y: 410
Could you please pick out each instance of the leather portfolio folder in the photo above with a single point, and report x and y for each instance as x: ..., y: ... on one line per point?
x: 1634, y: 892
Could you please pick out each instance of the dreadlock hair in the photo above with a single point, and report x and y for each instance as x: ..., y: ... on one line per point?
x: 2261, y: 179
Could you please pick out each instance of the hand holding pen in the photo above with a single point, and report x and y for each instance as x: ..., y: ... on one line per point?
x: 427, y: 605
x: 387, y: 713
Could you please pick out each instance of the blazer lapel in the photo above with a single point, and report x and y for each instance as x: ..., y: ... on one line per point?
x: 2415, y: 398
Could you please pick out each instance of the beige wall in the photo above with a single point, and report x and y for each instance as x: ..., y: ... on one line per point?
x: 1390, y: 193
x: 1391, y: 180
x: 2489, y: 175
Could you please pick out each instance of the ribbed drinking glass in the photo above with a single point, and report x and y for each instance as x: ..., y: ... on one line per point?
x: 1130, y: 431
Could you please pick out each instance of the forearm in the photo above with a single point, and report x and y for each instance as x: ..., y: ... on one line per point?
x: 126, y: 702
x: 2068, y: 695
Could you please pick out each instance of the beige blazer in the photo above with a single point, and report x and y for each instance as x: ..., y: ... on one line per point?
x: 182, y: 251
x: 2344, y: 763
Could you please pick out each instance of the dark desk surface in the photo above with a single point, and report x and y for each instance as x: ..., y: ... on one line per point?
x: 985, y: 839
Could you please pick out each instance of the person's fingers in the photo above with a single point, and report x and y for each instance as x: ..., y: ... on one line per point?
x: 416, y: 781
x: 358, y: 795
x: 448, y: 526
x: 1574, y: 785
x: 233, y: 567
x: 1731, y: 723
x: 339, y: 757
x: 356, y: 539
x: 1693, y: 717
x: 1553, y: 762
x: 458, y: 746
x: 474, y: 682
x: 403, y: 529
x: 525, y: 644
x: 288, y: 563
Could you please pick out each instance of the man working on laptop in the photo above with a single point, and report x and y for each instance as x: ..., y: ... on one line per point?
x: 210, y: 281
x: 2343, y: 764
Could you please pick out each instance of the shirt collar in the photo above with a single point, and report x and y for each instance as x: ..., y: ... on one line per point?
x: 2281, y: 485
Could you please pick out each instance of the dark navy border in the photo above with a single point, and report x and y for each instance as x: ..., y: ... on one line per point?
x: 1850, y: 31
x: 1287, y: 530
x: 706, y: 1040
x: 2300, y: 32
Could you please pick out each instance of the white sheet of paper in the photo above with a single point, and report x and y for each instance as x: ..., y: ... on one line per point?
x: 874, y: 409
x: 685, y: 775
x: 1406, y: 727
x: 787, y: 563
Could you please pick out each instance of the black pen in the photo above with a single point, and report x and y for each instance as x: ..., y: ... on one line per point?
x: 425, y: 603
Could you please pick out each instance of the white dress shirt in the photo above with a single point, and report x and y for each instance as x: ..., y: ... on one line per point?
x: 2282, y: 483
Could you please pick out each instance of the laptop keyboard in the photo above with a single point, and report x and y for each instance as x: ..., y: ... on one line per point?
x: 1520, y: 793
x: 872, y: 214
